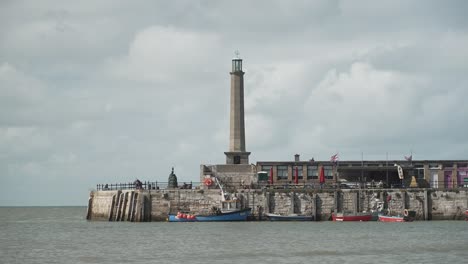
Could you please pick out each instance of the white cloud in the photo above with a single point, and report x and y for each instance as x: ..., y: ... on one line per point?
x: 363, y: 101
x: 162, y: 54
x: 18, y: 88
x: 274, y: 84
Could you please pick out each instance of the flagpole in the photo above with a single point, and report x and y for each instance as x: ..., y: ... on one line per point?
x: 362, y: 167
x: 337, y: 174
x: 387, y: 168
x: 411, y: 155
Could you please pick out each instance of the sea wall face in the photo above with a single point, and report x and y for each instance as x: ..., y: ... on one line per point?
x: 166, y: 202
x: 448, y: 205
x: 100, y: 205
x: 155, y: 205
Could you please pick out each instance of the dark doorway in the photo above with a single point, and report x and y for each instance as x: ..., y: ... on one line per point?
x: 237, y: 159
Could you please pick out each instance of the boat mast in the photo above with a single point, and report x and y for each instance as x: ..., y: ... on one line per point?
x: 223, y: 194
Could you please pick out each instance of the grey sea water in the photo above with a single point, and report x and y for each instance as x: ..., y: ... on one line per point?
x: 62, y: 235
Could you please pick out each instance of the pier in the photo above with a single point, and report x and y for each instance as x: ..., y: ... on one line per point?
x: 143, y: 205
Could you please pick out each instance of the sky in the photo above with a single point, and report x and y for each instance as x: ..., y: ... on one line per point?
x: 110, y: 91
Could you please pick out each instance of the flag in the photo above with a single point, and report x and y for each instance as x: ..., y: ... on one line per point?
x: 400, y: 171
x: 334, y: 158
x: 322, y: 175
x: 409, y: 158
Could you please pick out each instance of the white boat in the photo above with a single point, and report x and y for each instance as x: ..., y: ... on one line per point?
x: 289, y: 217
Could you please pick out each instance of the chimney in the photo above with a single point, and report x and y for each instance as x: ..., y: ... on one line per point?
x: 296, y: 158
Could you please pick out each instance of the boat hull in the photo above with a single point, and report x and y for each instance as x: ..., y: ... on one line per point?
x: 386, y: 218
x: 351, y: 217
x: 240, y: 215
x: 275, y: 217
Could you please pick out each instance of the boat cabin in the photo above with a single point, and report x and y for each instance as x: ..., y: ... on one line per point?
x: 230, y: 206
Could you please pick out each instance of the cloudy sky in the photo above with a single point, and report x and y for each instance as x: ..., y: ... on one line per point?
x: 109, y: 91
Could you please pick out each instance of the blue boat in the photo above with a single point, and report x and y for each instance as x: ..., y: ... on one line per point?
x: 230, y: 210
x: 239, y: 215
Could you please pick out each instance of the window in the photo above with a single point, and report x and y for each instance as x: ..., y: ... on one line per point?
x: 299, y: 172
x: 237, y: 159
x: 267, y: 168
x: 419, y: 173
x: 328, y: 170
x: 312, y: 172
x: 282, y: 172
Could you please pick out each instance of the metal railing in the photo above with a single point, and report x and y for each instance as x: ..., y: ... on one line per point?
x: 147, y: 185
x: 155, y: 185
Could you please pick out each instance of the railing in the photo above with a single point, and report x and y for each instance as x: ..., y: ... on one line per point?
x: 147, y: 185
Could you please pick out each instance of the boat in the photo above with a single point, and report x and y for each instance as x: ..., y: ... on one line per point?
x: 397, y: 218
x: 239, y: 215
x: 231, y: 210
x: 290, y: 217
x: 388, y: 218
x: 366, y: 216
x: 377, y: 208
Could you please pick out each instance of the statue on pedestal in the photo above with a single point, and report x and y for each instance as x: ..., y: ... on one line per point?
x: 172, y: 182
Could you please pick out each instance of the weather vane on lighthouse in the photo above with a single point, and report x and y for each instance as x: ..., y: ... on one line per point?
x: 237, y: 53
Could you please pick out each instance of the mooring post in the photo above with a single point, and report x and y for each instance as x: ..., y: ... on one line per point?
x: 314, y: 206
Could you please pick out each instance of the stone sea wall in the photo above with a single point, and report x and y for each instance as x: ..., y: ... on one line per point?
x: 155, y: 205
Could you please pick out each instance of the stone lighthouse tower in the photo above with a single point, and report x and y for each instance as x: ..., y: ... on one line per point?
x: 237, y: 153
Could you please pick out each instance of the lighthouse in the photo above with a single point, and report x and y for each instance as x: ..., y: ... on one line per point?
x: 237, y: 153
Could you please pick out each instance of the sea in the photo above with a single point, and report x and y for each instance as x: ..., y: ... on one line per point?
x: 63, y: 235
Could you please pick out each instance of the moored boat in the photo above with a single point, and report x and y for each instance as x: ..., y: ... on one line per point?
x: 351, y: 217
x: 290, y: 217
x: 388, y: 218
x: 240, y: 215
x: 231, y: 209
x: 407, y: 217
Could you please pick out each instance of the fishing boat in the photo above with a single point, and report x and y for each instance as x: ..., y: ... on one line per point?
x: 388, y: 218
x: 289, y: 217
x: 240, y: 215
x: 365, y: 216
x: 397, y: 218
x: 231, y: 210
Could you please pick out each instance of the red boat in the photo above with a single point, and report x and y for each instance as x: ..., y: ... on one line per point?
x: 388, y: 218
x: 351, y: 217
